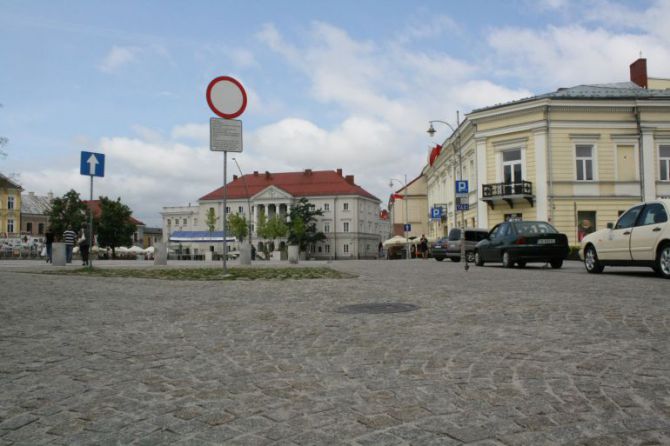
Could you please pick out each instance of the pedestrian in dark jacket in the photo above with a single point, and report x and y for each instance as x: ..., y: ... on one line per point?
x: 83, y: 246
x: 49, y: 240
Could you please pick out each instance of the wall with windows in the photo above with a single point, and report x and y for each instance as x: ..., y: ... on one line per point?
x: 10, y: 209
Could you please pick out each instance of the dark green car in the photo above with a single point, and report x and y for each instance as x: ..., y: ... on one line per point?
x: 438, y: 249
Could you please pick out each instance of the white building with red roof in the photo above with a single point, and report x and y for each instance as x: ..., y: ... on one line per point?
x: 351, y: 217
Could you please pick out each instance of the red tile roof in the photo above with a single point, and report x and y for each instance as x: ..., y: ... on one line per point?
x: 95, y: 207
x: 299, y: 184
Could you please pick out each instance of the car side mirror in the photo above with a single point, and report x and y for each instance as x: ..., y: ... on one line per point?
x: 610, y: 225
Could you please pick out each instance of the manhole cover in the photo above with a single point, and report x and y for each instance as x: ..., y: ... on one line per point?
x: 377, y: 308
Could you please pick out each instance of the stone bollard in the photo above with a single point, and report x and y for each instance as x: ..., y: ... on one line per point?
x: 58, y: 254
x: 160, y: 254
x: 245, y: 253
x: 293, y: 253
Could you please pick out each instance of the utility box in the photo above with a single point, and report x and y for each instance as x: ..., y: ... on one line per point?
x: 58, y: 254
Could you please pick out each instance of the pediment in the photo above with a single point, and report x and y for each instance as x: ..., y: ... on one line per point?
x: 272, y: 193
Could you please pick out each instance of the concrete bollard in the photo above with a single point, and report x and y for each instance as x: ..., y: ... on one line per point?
x: 293, y: 253
x: 160, y: 254
x: 245, y: 253
x: 58, y: 254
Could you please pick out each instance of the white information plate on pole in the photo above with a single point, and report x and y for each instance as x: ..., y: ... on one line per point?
x: 225, y: 135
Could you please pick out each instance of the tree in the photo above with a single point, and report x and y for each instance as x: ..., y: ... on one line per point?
x: 210, y: 221
x: 67, y: 211
x: 237, y: 225
x: 270, y: 229
x: 302, y: 230
x: 114, y: 227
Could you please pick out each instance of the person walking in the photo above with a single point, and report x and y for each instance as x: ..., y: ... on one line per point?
x: 69, y: 237
x: 48, y: 241
x: 423, y: 246
x: 83, y: 246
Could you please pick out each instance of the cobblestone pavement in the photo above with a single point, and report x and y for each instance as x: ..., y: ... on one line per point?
x: 492, y: 357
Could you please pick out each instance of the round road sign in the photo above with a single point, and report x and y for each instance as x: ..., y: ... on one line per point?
x: 226, y: 97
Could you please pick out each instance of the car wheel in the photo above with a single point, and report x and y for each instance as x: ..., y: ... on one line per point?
x: 591, y: 262
x: 663, y: 261
x: 521, y: 264
x: 478, y: 259
x: 507, y: 260
x: 456, y: 259
x: 439, y: 259
x: 470, y: 257
x: 556, y: 263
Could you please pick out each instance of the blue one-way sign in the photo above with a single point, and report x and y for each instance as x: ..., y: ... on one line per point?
x: 92, y: 164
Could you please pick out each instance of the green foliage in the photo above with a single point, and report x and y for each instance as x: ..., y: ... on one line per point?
x: 211, y: 219
x: 114, y: 227
x: 66, y: 211
x: 237, y: 226
x: 302, y: 230
x: 276, y: 228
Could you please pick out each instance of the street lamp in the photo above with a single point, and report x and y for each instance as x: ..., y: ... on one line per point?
x: 244, y: 180
x: 407, y: 253
x: 431, y: 132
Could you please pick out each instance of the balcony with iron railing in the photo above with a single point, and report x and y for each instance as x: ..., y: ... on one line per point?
x: 507, y: 192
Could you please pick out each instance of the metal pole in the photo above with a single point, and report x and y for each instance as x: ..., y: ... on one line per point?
x: 406, y: 203
x: 90, y: 228
x: 225, y: 198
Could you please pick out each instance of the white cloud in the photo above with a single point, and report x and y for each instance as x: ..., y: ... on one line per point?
x: 118, y: 57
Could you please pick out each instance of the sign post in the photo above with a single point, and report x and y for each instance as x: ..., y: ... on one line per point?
x: 462, y: 204
x: 227, y: 98
x: 93, y: 165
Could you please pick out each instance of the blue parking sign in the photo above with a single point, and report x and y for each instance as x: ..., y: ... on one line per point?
x: 435, y: 212
x: 462, y: 186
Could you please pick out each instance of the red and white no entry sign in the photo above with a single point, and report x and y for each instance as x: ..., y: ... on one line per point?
x: 226, y: 97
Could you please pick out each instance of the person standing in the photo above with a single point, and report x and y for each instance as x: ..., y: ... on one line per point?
x: 69, y: 237
x: 49, y: 240
x: 83, y: 246
x: 423, y: 246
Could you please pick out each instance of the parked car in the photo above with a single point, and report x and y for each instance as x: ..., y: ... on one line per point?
x: 472, y: 237
x: 640, y: 237
x: 438, y: 249
x: 521, y: 242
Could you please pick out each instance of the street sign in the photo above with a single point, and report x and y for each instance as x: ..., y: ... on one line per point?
x: 92, y: 164
x: 461, y: 188
x: 225, y: 135
x: 226, y: 97
x: 463, y: 207
x: 407, y: 227
x: 436, y: 212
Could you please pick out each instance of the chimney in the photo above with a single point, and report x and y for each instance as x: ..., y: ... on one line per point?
x: 255, y: 173
x: 267, y: 175
x: 339, y: 172
x: 308, y: 172
x: 638, y: 72
x: 349, y: 179
x: 234, y: 177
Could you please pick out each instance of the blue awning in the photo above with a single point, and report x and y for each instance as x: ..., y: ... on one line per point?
x: 200, y: 236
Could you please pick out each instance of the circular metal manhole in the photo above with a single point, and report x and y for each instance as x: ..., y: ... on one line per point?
x: 377, y: 308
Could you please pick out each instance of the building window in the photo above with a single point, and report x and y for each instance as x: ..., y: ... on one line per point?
x: 10, y: 225
x: 29, y: 227
x: 346, y: 248
x: 512, y: 166
x: 326, y: 227
x: 10, y: 204
x: 240, y: 210
x: 664, y: 161
x: 326, y: 207
x: 169, y: 222
x: 345, y: 206
x: 227, y: 209
x: 346, y: 226
x: 584, y: 158
x: 195, y: 221
x: 40, y: 228
x: 185, y: 222
x: 327, y: 248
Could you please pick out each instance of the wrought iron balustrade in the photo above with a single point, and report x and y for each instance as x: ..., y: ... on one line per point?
x: 507, y: 191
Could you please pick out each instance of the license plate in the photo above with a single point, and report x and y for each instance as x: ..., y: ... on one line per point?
x: 437, y: 246
x: 546, y: 241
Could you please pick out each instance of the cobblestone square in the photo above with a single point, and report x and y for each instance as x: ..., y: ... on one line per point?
x: 491, y: 357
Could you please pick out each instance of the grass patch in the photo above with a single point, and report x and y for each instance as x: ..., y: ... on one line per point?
x: 209, y: 273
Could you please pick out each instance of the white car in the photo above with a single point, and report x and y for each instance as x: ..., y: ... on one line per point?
x: 641, y: 237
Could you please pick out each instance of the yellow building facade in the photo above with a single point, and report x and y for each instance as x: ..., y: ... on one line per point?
x: 10, y: 207
x: 412, y: 208
x: 577, y: 158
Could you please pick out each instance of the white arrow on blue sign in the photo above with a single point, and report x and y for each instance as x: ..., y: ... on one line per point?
x: 92, y: 164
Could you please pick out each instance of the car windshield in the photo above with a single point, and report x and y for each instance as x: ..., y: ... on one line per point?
x: 454, y: 235
x: 475, y: 236
x: 534, y: 227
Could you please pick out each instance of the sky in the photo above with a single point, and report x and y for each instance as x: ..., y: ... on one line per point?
x: 330, y: 84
